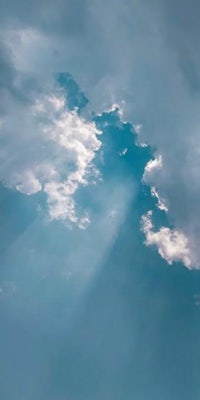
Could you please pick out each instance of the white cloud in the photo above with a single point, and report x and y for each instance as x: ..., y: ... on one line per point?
x: 137, y: 128
x: 132, y: 51
x: 152, y: 167
x: 45, y: 147
x: 172, y: 245
x: 123, y: 152
x: 153, y: 170
x: 161, y: 203
x: 28, y: 183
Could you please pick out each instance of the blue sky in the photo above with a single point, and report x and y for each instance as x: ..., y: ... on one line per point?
x: 99, y: 280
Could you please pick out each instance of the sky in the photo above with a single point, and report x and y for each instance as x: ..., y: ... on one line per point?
x: 99, y: 200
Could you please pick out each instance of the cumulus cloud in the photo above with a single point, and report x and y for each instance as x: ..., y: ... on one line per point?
x: 46, y: 147
x: 144, y: 55
x: 172, y: 244
x: 152, y: 166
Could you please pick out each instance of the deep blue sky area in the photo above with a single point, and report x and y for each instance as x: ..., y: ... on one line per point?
x: 133, y: 332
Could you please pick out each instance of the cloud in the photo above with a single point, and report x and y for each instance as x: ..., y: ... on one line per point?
x: 160, y: 202
x: 46, y: 147
x: 152, y: 169
x: 144, y: 55
x: 152, y: 172
x: 152, y: 166
x: 172, y: 244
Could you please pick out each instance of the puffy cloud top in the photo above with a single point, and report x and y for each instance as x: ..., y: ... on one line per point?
x: 172, y: 244
x: 46, y: 147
